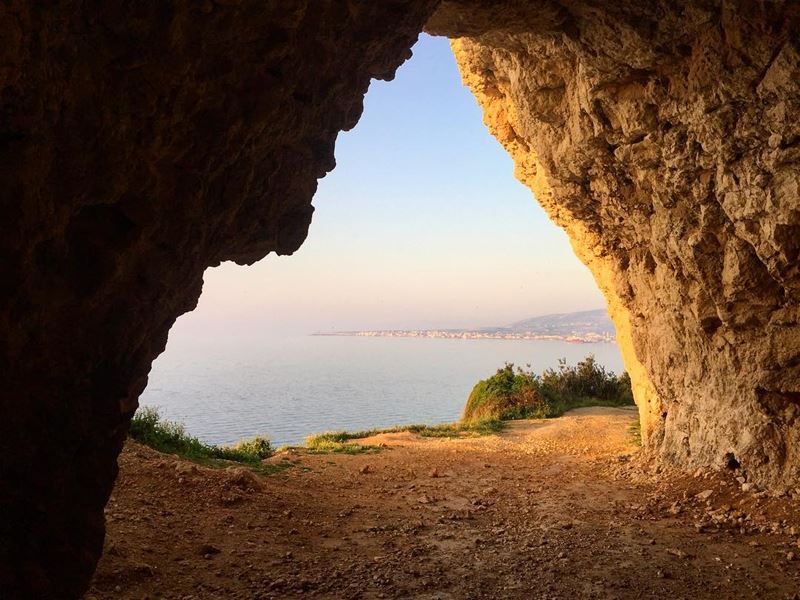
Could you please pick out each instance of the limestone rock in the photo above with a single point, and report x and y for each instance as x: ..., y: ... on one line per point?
x: 663, y: 137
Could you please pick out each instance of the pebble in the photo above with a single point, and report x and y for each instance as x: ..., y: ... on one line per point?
x: 705, y: 494
x: 183, y: 468
x: 677, y: 552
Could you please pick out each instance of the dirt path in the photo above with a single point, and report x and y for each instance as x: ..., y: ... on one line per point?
x: 547, y: 509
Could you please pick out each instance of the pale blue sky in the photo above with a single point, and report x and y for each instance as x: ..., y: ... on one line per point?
x: 421, y: 224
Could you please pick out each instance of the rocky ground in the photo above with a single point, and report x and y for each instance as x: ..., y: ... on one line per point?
x: 563, y: 508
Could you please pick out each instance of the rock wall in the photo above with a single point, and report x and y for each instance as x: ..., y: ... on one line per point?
x: 664, y: 138
x: 141, y: 143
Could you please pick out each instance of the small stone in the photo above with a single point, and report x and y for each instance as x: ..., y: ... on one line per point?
x: 748, y: 487
x: 677, y: 552
x: 277, y: 584
x: 364, y: 470
x: 701, y: 527
x: 790, y: 556
x: 704, y: 495
x: 185, y: 468
x: 434, y: 473
x: 242, y: 478
x: 208, y: 549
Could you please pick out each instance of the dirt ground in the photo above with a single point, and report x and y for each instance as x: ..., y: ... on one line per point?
x: 563, y: 508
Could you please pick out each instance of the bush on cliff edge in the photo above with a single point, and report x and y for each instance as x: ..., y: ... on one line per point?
x: 517, y: 393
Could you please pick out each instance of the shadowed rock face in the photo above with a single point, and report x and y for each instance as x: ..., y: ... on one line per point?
x: 139, y: 146
x: 141, y: 143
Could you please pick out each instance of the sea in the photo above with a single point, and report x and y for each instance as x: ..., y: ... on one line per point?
x: 287, y: 388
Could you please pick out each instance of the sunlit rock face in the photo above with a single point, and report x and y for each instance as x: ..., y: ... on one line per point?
x: 139, y: 144
x: 665, y: 138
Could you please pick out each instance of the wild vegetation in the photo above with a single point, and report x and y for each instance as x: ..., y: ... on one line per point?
x: 341, y: 441
x: 511, y: 393
x: 149, y: 428
x: 517, y: 393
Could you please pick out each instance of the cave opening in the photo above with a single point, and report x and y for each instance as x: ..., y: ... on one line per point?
x: 143, y: 143
x: 420, y: 230
x: 420, y: 226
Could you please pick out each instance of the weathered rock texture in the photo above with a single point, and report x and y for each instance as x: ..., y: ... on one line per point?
x: 665, y: 138
x: 141, y: 143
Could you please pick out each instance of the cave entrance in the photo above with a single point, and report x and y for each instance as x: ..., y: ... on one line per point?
x: 420, y: 226
x: 146, y: 143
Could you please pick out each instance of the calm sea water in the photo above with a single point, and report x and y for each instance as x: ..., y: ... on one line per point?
x: 288, y: 388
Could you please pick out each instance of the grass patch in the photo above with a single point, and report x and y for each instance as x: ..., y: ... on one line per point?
x: 517, y: 393
x: 148, y: 428
x: 261, y: 468
x: 635, y: 431
x: 459, y: 429
x: 335, y: 442
x: 342, y: 441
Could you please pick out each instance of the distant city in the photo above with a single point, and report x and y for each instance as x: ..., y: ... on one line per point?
x: 589, y: 326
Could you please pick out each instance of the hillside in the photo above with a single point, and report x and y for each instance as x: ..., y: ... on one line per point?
x: 586, y: 321
x: 586, y: 326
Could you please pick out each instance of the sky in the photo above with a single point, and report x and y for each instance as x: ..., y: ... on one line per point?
x: 420, y: 225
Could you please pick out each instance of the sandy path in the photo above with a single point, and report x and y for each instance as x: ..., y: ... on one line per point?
x: 547, y: 509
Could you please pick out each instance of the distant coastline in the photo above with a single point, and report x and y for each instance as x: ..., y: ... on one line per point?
x: 458, y: 334
x: 585, y: 327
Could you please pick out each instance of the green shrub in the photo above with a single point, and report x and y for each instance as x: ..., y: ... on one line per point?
x: 248, y: 450
x: 508, y: 394
x: 517, y: 393
x: 148, y: 428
